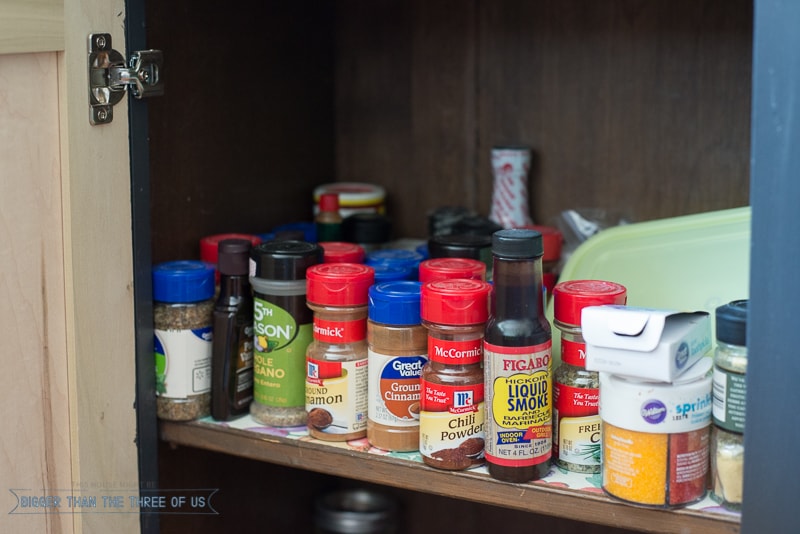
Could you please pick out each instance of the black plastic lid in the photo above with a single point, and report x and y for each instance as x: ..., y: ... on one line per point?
x: 476, y: 224
x: 366, y: 227
x: 517, y: 243
x: 471, y: 246
x: 285, y: 260
x: 732, y: 323
x: 233, y: 257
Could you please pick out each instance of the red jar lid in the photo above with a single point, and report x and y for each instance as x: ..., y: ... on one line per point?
x: 209, y: 245
x: 342, y: 252
x: 339, y: 284
x: 552, y: 239
x: 456, y: 301
x: 445, y: 268
x: 572, y: 296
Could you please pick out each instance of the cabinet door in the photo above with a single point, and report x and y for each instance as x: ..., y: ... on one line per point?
x: 66, y: 296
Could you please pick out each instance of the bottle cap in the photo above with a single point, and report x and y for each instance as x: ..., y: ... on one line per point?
x: 234, y: 256
x: 284, y: 260
x: 552, y: 241
x: 474, y: 246
x: 395, y: 303
x: 517, y: 243
x: 572, y: 296
x: 329, y: 202
x: 444, y: 268
x: 339, y: 284
x: 369, y: 228
x: 342, y: 252
x: 394, y: 256
x: 457, y: 301
x: 387, y: 273
x: 183, y: 281
x: 731, y: 322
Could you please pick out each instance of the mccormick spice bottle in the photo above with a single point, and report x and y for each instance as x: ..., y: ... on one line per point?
x: 452, y: 416
x: 517, y: 361
x: 576, y: 391
x: 183, y: 303
x: 232, y: 347
x: 282, y: 330
x: 398, y: 349
x: 336, y: 360
x: 444, y: 268
x: 727, y: 432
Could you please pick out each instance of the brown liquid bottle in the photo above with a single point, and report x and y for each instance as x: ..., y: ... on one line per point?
x: 517, y: 361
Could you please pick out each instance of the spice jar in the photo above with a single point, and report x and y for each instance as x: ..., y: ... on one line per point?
x: 727, y: 432
x: 398, y: 349
x: 656, y: 437
x: 395, y: 257
x: 283, y: 327
x: 444, y: 268
x: 576, y: 391
x: 452, y: 416
x: 183, y: 304
x: 337, y: 359
x: 342, y: 252
x: 471, y: 246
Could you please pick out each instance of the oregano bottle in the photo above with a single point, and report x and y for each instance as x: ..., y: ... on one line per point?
x: 517, y: 363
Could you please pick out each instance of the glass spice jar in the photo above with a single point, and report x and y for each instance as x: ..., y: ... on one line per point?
x: 398, y: 349
x: 576, y: 391
x: 728, y: 412
x: 452, y: 412
x: 337, y: 358
x: 183, y: 306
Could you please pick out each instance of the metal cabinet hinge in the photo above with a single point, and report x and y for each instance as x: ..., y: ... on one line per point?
x: 110, y: 76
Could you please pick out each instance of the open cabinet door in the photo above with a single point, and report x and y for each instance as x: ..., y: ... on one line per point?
x: 66, y: 284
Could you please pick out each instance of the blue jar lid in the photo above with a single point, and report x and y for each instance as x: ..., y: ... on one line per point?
x: 387, y: 273
x: 183, y: 281
x: 394, y: 256
x: 395, y: 303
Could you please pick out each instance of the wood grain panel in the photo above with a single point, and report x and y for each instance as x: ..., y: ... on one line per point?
x: 35, y: 445
x: 31, y: 26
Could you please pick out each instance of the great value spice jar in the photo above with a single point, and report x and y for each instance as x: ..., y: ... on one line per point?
x: 452, y: 417
x: 656, y: 437
x: 183, y: 306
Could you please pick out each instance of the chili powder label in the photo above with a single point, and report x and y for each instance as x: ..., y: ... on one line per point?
x: 519, y: 402
x: 451, y: 424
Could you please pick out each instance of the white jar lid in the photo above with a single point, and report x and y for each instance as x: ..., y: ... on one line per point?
x: 659, y: 407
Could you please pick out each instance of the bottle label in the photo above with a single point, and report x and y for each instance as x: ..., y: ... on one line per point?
x: 336, y: 395
x: 339, y: 331
x: 729, y: 391
x: 183, y: 362
x: 573, y: 353
x: 394, y: 389
x: 279, y: 356
x: 243, y: 379
x: 451, y: 423
x: 455, y: 352
x: 519, y: 404
x: 576, y: 424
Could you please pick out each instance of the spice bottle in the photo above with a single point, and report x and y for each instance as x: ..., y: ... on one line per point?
x: 444, y: 268
x: 183, y: 303
x: 232, y: 346
x: 342, y: 252
x: 396, y: 257
x: 336, y: 359
x: 452, y: 415
x: 471, y: 246
x: 517, y: 361
x: 727, y: 431
x: 398, y: 349
x: 282, y: 330
x: 576, y: 391
x: 328, y: 221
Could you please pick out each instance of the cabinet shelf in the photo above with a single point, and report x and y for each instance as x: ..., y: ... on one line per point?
x: 559, y: 494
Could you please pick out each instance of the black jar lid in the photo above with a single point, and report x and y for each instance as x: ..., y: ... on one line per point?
x: 472, y: 246
x: 517, y: 243
x: 731, y: 321
x: 366, y: 227
x: 284, y: 260
x: 233, y: 256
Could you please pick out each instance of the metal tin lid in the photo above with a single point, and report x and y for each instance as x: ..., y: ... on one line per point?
x: 339, y: 284
x: 284, y: 260
x: 183, y: 281
x: 456, y: 301
x: 572, y: 296
x: 395, y: 303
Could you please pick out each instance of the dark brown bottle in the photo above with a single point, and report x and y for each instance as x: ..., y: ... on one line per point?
x: 232, y: 345
x: 517, y: 366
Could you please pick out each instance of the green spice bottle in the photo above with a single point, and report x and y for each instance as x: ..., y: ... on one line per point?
x: 576, y: 391
x: 517, y: 372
